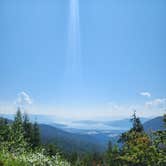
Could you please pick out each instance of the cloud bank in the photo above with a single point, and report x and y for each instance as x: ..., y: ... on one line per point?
x: 100, y: 111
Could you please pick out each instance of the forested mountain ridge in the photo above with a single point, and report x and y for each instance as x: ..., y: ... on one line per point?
x: 154, y: 124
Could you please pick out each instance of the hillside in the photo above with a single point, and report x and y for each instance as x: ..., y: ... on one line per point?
x: 72, y: 142
x: 154, y: 124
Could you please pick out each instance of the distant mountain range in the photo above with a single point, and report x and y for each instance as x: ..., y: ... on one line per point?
x: 72, y: 139
x: 45, y: 119
x: 123, y: 124
x: 82, y: 125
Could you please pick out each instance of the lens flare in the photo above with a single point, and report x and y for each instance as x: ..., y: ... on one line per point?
x: 73, y: 66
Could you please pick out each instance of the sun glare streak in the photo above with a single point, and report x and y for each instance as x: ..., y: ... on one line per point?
x: 73, y: 66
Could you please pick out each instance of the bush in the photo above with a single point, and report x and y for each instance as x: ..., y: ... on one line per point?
x: 30, y: 158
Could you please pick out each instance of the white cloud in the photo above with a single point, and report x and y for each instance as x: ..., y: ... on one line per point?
x: 105, y: 111
x: 160, y: 102
x: 23, y: 99
x: 146, y: 94
x: 101, y: 112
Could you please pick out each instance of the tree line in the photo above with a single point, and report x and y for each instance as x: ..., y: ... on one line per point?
x: 20, y: 133
x: 21, y: 145
x: 134, y: 148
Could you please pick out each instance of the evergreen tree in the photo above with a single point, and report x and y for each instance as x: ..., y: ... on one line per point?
x: 4, y: 130
x: 138, y: 148
x: 36, y: 135
x: 159, y: 139
x: 137, y: 126
x: 112, y: 155
x: 28, y: 130
x: 110, y: 146
x: 164, y: 120
x: 52, y: 149
x: 17, y: 135
x: 139, y: 151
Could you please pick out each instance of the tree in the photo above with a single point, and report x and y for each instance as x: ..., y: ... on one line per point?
x: 139, y: 149
x: 36, y: 136
x: 110, y: 146
x: 4, y: 130
x: 112, y: 155
x: 160, y: 136
x: 137, y: 126
x: 164, y: 119
x: 159, y: 141
x: 52, y: 149
x: 28, y: 130
x: 17, y: 135
x: 73, y: 158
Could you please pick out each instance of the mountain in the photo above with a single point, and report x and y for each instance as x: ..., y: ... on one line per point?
x: 119, y: 125
x: 69, y: 142
x: 81, y: 125
x: 154, y: 124
x: 45, y: 119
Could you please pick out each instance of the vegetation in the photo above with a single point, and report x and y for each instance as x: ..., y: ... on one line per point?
x: 20, y: 145
x: 136, y: 148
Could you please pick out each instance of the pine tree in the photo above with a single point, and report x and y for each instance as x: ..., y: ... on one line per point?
x: 137, y: 126
x: 17, y: 132
x: 164, y: 120
x: 112, y: 154
x: 52, y: 149
x: 137, y: 146
x: 28, y: 130
x: 110, y: 146
x: 36, y: 136
x: 4, y: 130
x: 160, y: 137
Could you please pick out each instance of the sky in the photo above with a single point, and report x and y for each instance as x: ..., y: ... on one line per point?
x: 95, y: 60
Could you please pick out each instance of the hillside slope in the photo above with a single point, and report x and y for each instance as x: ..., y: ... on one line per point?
x: 72, y: 142
x: 154, y: 124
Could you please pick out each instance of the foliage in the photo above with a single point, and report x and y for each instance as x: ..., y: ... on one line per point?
x: 137, y: 126
x: 20, y: 145
x: 139, y: 149
x: 28, y: 130
x: 35, y: 136
x: 4, y: 130
x: 31, y: 158
x: 17, y: 141
x: 112, y: 155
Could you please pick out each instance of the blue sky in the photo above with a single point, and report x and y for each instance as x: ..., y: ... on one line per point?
x: 122, y: 54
